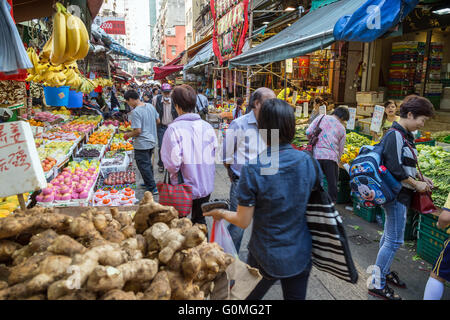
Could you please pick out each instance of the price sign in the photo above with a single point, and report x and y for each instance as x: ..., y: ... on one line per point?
x: 377, y: 119
x: 298, y: 111
x: 352, y: 120
x: 305, y: 109
x: 323, y: 109
x: 294, y: 98
x: 289, y: 65
x: 19, y: 160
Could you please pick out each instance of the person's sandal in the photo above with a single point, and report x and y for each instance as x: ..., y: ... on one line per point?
x: 394, y: 279
x: 386, y: 293
x: 161, y: 169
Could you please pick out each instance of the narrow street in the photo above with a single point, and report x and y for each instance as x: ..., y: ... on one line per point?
x: 363, y: 239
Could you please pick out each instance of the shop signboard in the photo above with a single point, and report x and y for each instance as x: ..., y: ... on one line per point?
x: 352, y: 120
x: 377, y: 119
x: 230, y: 27
x: 111, y: 25
x: 19, y: 160
x: 305, y: 109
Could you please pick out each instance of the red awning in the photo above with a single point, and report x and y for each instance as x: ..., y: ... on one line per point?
x: 162, y: 72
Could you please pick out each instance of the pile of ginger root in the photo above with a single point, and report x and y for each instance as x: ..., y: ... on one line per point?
x: 45, y: 255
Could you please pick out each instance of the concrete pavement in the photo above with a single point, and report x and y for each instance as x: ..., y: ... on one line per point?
x: 364, y: 240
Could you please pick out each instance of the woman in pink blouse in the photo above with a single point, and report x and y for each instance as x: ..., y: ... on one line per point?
x: 330, y: 147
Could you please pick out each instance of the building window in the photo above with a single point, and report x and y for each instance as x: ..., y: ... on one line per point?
x: 174, y: 50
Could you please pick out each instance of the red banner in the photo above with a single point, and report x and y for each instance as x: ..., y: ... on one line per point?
x: 230, y: 27
x: 303, y: 67
x: 113, y: 25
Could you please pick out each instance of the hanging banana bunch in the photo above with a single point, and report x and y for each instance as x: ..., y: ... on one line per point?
x: 57, y: 63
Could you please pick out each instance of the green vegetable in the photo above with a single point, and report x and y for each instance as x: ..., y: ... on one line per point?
x: 357, y: 140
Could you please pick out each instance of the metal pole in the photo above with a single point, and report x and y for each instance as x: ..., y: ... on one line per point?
x: 250, y: 31
x: 426, y: 63
x: 221, y: 87
x: 234, y: 88
x: 285, y: 80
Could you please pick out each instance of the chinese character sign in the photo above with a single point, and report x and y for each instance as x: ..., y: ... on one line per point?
x: 352, y: 120
x: 230, y: 27
x: 377, y: 119
x: 20, y: 167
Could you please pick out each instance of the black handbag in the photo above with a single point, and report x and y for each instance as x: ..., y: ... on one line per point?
x: 314, y: 138
x: 330, y: 249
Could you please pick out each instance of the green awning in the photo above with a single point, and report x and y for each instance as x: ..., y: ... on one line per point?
x: 312, y: 32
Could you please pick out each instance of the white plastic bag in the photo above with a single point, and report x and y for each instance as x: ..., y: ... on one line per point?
x: 222, y: 237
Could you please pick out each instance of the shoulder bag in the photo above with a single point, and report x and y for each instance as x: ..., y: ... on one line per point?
x: 314, y: 136
x: 421, y: 201
x: 330, y: 249
x: 178, y: 196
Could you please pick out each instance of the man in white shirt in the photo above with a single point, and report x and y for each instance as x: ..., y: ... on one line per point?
x: 167, y: 113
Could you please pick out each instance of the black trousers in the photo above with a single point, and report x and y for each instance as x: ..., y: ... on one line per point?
x: 197, y: 214
x: 331, y: 171
x: 144, y: 163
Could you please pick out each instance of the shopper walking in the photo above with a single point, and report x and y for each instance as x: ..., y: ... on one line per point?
x: 330, y: 145
x: 280, y: 245
x: 237, y: 112
x: 202, y: 104
x: 239, y: 146
x: 398, y: 158
x: 167, y: 113
x: 144, y: 120
x: 189, y: 146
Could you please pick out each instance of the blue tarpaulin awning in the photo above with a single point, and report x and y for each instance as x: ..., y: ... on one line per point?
x: 349, y: 20
x: 203, y: 56
x: 117, y: 48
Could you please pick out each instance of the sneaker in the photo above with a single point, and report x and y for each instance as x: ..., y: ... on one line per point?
x: 393, y: 279
x: 160, y: 169
x: 386, y: 293
x: 155, y: 192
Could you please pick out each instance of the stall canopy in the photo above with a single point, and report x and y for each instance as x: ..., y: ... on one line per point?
x: 350, y: 20
x: 202, y: 56
x: 100, y: 35
x: 172, y: 67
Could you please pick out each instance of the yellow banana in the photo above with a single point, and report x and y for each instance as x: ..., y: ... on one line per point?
x: 73, y: 37
x: 30, y: 56
x: 47, y: 50
x: 84, y: 40
x: 59, y: 36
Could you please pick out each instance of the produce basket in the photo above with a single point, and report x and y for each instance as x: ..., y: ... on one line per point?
x: 428, y: 246
x: 75, y: 99
x: 106, y: 168
x: 344, y: 191
x: 368, y: 214
x: 57, y: 96
x: 411, y: 226
x: 431, y: 143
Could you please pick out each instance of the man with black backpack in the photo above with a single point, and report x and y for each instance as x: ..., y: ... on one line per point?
x: 202, y: 104
x: 167, y: 113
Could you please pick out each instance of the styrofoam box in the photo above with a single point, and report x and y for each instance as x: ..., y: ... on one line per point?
x: 21, y: 163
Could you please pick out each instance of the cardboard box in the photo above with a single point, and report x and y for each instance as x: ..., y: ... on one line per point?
x: 365, y: 110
